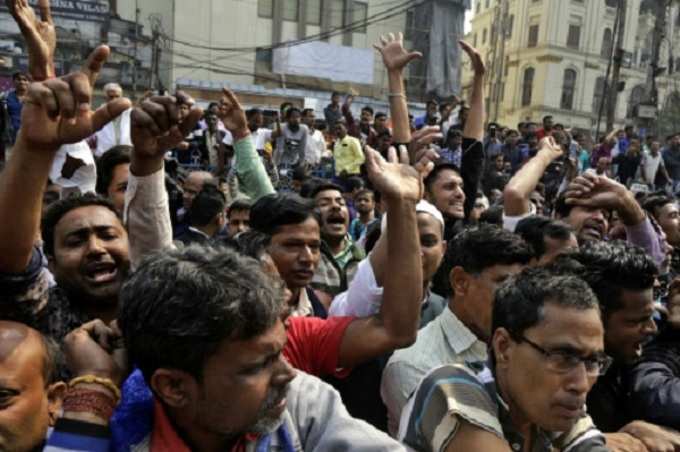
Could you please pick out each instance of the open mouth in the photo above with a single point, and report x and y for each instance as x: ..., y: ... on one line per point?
x: 592, y: 231
x: 101, y: 273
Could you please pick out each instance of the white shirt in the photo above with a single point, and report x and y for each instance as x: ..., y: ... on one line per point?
x: 260, y: 137
x: 115, y: 133
x: 651, y: 165
x: 445, y: 340
x: 316, y: 146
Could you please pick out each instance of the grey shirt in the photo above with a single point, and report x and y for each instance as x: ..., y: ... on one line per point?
x: 291, y: 145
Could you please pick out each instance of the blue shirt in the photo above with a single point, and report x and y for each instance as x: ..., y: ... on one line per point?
x: 14, y: 106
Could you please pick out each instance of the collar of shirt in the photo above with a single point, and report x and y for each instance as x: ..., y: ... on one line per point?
x: 193, y: 229
x: 304, y: 307
x: 164, y: 437
x: 457, y: 334
x: 348, y: 252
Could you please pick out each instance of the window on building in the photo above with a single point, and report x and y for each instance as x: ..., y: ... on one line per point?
x: 265, y: 8
x: 479, y: 6
x: 527, y: 86
x: 336, y: 13
x: 533, y: 35
x: 506, y: 66
x: 484, y: 36
x: 359, y: 14
x: 508, y: 26
x: 574, y: 36
x: 607, y: 43
x: 290, y: 10
x: 611, y: 3
x: 313, y: 12
x: 474, y: 40
x: 636, y: 96
x: 263, y: 60
x: 486, y: 4
x: 410, y: 24
x: 598, y: 94
x: 568, y: 88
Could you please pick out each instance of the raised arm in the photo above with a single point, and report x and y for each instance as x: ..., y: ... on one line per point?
x: 253, y: 178
x: 55, y: 112
x: 397, y: 323
x: 474, y: 126
x: 39, y: 34
x: 518, y: 190
x: 156, y: 128
x: 395, y: 59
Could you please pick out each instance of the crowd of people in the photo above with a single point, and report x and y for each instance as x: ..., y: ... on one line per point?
x: 174, y: 279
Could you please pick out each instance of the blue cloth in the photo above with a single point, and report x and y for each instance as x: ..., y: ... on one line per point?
x: 133, y: 419
x: 14, y: 107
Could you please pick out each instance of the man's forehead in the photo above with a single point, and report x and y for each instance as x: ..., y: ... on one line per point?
x: 88, y: 217
x: 328, y: 194
x: 637, y: 301
x: 309, y: 227
x: 12, y: 335
x: 244, y: 351
x: 449, y: 175
x: 565, y: 325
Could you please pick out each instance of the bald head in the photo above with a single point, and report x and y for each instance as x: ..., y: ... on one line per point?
x: 194, y: 183
x: 32, y: 404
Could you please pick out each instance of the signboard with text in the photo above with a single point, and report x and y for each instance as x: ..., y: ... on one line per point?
x: 94, y: 10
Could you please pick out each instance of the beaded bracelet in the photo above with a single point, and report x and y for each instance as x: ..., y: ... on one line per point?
x: 106, y: 382
x: 89, y: 401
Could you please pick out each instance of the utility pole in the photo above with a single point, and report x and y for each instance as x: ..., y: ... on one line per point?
x: 135, y: 53
x: 616, y: 70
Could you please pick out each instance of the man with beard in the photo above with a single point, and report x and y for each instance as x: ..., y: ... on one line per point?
x: 530, y: 395
x: 347, y: 152
x: 84, y: 239
x: 363, y: 130
x: 316, y: 143
x: 218, y: 370
x: 339, y: 254
x: 291, y: 141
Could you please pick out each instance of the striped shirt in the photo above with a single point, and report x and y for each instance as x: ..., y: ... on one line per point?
x: 451, y: 394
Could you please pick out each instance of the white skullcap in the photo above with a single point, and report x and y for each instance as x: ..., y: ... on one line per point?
x: 424, y: 207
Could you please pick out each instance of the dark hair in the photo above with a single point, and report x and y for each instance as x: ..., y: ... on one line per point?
x: 373, y: 233
x: 271, y: 212
x: 117, y: 155
x: 519, y: 301
x: 239, y: 205
x: 535, y: 229
x: 285, y: 106
x: 562, y: 209
x: 211, y: 105
x: 354, y: 183
x: 252, y: 112
x: 547, y: 117
x: 58, y: 209
x: 164, y: 327
x: 292, y: 110
x: 335, y: 93
x: 365, y: 191
x: 438, y: 168
x: 249, y: 243
x: 54, y: 363
x: 299, y: 173
x: 16, y: 76
x: 307, y: 110
x: 208, y: 203
x: 609, y: 268
x: 493, y: 215
x: 367, y: 108
x: 326, y: 185
x: 478, y: 248
x: 380, y: 114
x: 654, y: 202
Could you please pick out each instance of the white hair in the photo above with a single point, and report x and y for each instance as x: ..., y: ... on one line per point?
x: 113, y: 87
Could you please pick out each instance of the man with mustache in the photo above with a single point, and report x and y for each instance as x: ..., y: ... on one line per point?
x: 546, y: 352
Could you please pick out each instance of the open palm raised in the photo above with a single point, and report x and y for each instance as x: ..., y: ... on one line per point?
x: 395, y: 178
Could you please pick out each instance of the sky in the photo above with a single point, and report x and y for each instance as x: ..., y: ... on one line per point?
x: 468, y: 18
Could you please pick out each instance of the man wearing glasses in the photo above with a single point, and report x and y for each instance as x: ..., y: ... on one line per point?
x: 547, y: 350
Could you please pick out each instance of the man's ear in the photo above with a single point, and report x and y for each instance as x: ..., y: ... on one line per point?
x: 502, y: 345
x: 175, y: 388
x: 459, y: 280
x: 55, y: 396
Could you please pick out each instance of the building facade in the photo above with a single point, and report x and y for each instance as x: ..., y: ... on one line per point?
x: 550, y: 57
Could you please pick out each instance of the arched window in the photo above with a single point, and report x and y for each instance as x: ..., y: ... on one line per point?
x: 598, y: 95
x: 611, y: 3
x: 607, y: 42
x: 527, y: 86
x: 568, y: 88
x: 634, y: 100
